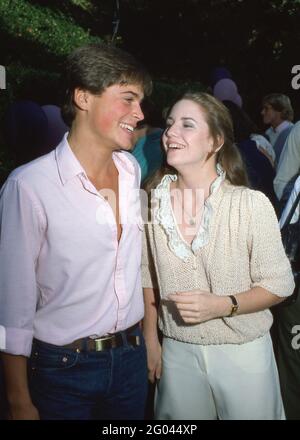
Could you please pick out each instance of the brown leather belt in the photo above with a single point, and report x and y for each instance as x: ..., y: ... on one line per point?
x: 105, y: 342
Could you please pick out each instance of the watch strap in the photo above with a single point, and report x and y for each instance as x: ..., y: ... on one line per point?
x: 234, y: 306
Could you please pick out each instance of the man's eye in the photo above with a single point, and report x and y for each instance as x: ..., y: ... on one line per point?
x: 188, y: 126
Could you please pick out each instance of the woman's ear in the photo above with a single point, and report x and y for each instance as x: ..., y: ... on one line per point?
x: 81, y: 98
x: 219, y: 143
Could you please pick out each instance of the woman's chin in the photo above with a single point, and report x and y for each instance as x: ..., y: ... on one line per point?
x: 176, y: 162
x: 172, y: 160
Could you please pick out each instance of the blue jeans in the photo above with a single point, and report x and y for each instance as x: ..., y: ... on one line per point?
x: 109, y: 384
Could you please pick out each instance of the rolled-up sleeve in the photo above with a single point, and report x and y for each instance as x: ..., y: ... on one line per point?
x: 269, y: 265
x: 21, y: 231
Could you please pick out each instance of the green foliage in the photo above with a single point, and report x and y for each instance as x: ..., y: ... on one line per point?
x: 36, y: 40
x: 165, y: 93
x: 25, y: 82
x: 6, y: 163
x: 180, y: 41
x: 84, y: 4
x: 53, y: 31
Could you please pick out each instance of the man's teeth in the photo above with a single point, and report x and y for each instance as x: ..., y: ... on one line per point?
x: 176, y: 146
x: 127, y: 127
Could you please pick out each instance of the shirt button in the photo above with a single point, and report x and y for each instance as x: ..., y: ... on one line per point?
x: 65, y: 359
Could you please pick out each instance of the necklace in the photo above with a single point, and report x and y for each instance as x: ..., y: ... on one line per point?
x: 192, y: 220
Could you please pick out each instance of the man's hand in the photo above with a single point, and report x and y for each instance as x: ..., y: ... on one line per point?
x: 20, y: 406
x: 24, y: 411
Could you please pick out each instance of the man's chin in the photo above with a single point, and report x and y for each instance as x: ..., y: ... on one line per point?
x: 127, y: 147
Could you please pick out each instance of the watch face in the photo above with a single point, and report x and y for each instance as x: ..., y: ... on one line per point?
x: 234, y: 310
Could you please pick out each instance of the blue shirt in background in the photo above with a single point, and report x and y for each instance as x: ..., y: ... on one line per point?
x: 148, y: 152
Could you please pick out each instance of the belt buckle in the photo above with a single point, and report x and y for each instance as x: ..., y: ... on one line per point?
x: 101, y: 343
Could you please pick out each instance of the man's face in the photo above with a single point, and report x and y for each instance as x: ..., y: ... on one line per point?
x: 113, y: 116
x: 270, y: 116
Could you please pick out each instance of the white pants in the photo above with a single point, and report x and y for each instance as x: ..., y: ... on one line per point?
x: 229, y: 382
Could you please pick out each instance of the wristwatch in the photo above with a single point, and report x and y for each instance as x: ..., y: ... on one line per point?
x: 234, y: 306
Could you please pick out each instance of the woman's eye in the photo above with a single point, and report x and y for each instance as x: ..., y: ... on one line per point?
x: 187, y: 126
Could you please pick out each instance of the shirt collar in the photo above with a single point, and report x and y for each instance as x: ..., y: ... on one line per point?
x: 164, y: 216
x: 165, y: 182
x: 124, y: 162
x: 67, y: 163
x: 69, y: 166
x: 282, y: 126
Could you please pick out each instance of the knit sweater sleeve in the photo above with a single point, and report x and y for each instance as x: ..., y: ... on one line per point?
x: 269, y: 265
x: 149, y: 278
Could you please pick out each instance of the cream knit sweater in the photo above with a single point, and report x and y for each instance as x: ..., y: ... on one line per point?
x: 238, y: 247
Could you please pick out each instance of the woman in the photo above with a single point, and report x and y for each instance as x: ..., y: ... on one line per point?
x: 213, y: 251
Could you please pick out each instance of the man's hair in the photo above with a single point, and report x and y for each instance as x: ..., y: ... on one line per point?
x: 94, y: 67
x: 281, y: 103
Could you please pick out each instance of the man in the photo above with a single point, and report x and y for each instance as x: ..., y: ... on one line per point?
x: 289, y: 166
x: 286, y: 324
x: 70, y: 288
x: 277, y: 112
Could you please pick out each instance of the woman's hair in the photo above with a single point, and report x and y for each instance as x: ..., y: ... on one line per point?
x: 243, y: 127
x: 220, y: 125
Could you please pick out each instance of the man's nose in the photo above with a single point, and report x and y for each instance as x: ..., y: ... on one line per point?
x: 138, y: 114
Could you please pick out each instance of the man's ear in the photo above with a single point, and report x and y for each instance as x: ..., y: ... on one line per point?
x: 81, y: 98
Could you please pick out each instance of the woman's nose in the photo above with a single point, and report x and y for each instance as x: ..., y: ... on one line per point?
x: 172, y: 131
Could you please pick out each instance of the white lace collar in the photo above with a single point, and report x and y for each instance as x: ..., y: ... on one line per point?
x: 165, y: 217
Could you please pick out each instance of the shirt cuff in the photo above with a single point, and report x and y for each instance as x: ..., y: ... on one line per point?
x: 18, y: 341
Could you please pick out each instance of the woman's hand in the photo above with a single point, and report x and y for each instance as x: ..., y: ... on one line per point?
x: 198, y: 306
x: 153, y: 359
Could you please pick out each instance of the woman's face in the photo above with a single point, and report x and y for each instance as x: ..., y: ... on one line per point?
x: 187, y: 139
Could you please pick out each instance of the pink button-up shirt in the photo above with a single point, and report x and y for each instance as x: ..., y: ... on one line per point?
x: 63, y: 274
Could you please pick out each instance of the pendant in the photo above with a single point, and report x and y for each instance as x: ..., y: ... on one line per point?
x: 192, y: 222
